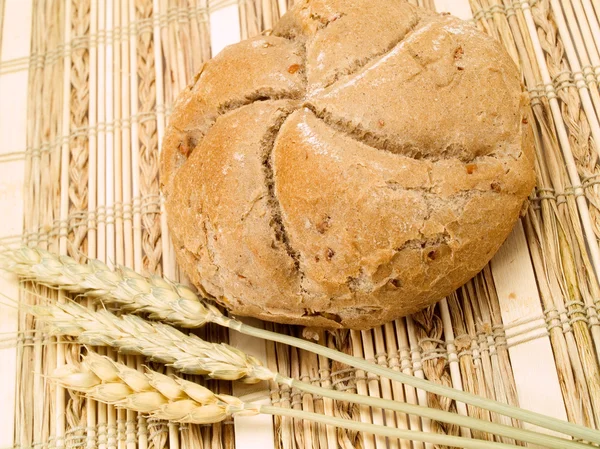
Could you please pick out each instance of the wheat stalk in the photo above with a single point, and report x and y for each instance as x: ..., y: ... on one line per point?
x: 192, y: 355
x: 175, y: 303
x: 176, y: 399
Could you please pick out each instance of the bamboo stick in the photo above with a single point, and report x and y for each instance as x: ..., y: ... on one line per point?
x: 308, y: 368
x: 393, y: 354
x: 135, y: 144
x: 132, y: 362
x: 24, y: 435
x: 168, y: 260
x: 92, y: 408
x: 418, y: 372
x: 468, y: 357
x: 109, y: 135
x: 564, y: 141
x: 124, y: 417
x: 136, y: 222
x: 368, y: 352
x: 577, y: 405
x: 13, y: 131
x: 407, y: 368
x: 101, y: 136
x: 103, y: 413
x: 41, y: 426
x: 275, y: 395
x: 286, y: 428
x: 199, y: 44
x: 296, y: 404
x: 52, y: 179
x: 330, y: 436
x: 125, y: 101
x: 592, y: 19
x: 369, y: 441
x: 118, y: 117
x: 111, y: 180
x: 500, y: 358
x: 60, y: 406
x: 495, y: 372
x: 283, y: 7
x: 571, y: 40
x: 536, y: 394
x: 260, y: 427
x: 381, y: 357
x: 244, y: 20
x: 453, y: 361
x: 344, y: 379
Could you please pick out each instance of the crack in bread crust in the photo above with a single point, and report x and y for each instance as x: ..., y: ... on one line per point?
x: 366, y: 137
x: 260, y: 95
x: 276, y: 222
x: 189, y: 140
x: 359, y: 64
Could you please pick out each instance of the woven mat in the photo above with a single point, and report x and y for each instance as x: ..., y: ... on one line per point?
x: 86, y: 87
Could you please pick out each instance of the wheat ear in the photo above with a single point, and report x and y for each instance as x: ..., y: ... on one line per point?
x: 157, y: 341
x: 162, y: 299
x: 190, y: 354
x: 176, y: 399
x: 161, y: 396
x: 178, y: 304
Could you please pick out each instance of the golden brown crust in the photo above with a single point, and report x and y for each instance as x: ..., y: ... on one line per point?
x: 265, y: 67
x: 346, y: 172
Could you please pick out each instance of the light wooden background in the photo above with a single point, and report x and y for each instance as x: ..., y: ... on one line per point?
x: 85, y: 92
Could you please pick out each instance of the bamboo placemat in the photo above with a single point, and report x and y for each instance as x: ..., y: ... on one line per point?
x: 86, y: 87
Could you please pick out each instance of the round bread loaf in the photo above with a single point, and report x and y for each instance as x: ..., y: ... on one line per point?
x: 362, y: 161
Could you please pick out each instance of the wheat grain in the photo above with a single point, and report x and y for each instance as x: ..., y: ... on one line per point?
x: 176, y: 399
x: 133, y: 334
x: 160, y: 342
x: 164, y: 300
x: 190, y: 354
x: 163, y: 397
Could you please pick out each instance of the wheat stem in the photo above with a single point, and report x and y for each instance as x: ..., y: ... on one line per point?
x: 178, y: 304
x: 538, y: 419
x: 526, y: 436
x: 192, y: 355
x: 176, y: 399
x: 412, y: 435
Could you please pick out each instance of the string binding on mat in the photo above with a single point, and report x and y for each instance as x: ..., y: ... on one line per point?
x: 507, y: 10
